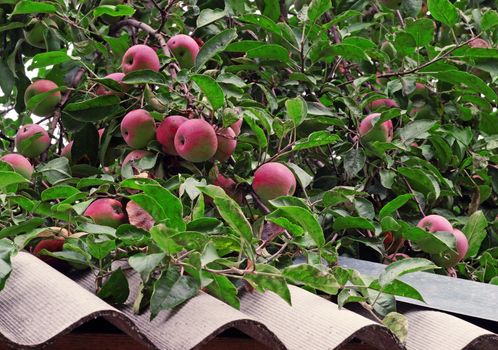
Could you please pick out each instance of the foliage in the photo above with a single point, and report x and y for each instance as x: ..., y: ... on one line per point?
x: 302, y: 75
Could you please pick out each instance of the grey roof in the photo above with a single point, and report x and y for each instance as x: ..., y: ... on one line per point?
x: 39, y: 304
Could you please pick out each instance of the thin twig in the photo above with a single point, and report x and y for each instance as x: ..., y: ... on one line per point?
x: 146, y: 28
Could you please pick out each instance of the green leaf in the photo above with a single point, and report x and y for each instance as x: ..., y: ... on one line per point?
x: 113, y: 10
x: 489, y: 20
x: 402, y: 267
x: 297, y: 110
x: 145, y: 264
x: 100, y: 247
x: 398, y: 288
x: 231, y: 212
x: 262, y: 21
x: 211, y: 89
x: 7, y: 249
x: 11, y: 25
x: 267, y: 277
x: 171, y: 290
x: 208, y: 16
x: 10, y: 177
x: 243, y: 46
x: 28, y: 7
x: 316, y: 139
x: 214, y: 46
x: 443, y: 11
x: 95, y: 109
x: 317, y: 8
x: 50, y: 58
x: 116, y: 288
x: 222, y: 288
x: 312, y: 277
x: 398, y: 324
x: 304, y: 218
x: 145, y: 76
x: 170, y: 204
x: 420, y: 181
x: 354, y: 161
x: 22, y: 227
x: 395, y: 204
x: 471, y: 81
x: 58, y: 192
x: 475, y: 231
x: 422, y: 30
x: 269, y: 52
x: 349, y: 222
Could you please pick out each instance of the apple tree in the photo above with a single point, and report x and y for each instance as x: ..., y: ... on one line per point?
x: 224, y: 145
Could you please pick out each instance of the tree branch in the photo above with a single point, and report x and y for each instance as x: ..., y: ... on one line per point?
x: 146, y: 28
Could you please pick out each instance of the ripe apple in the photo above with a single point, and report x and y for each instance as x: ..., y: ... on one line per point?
x: 48, y: 104
x: 37, y: 31
x: 230, y: 187
x: 382, y: 103
x: 52, y: 245
x: 138, y: 128
x: 272, y: 180
x: 32, y: 140
x: 462, y: 246
x: 479, y: 43
x: 462, y: 243
x: 236, y: 127
x: 140, y: 57
x: 106, y: 211
x: 102, y: 90
x: 184, y: 48
x: 370, y: 133
x: 19, y: 163
x: 134, y: 157
x: 435, y: 223
x: 196, y: 141
x: 166, y: 131
x: 227, y: 143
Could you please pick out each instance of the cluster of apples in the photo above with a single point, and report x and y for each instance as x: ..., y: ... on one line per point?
x: 435, y: 223
x: 371, y: 131
x: 194, y: 140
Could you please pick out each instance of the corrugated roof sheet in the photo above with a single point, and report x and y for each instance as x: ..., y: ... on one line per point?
x: 39, y: 304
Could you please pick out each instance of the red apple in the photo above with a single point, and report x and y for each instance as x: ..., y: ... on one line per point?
x: 118, y: 77
x: 479, y: 43
x: 106, y: 211
x: 435, y: 223
x: 184, y: 48
x: 52, y: 245
x: 166, y: 132
x: 32, y: 140
x: 237, y: 126
x: 382, y: 103
x: 370, y: 133
x: 140, y: 57
x: 227, y: 142
x: 19, y: 163
x: 196, y: 141
x: 134, y: 157
x: 46, y: 106
x: 462, y: 243
x: 138, y: 128
x: 230, y: 187
x: 272, y: 180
